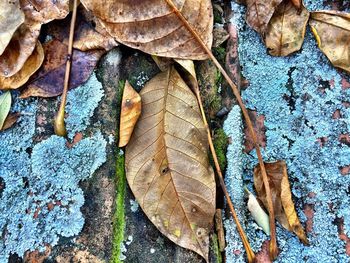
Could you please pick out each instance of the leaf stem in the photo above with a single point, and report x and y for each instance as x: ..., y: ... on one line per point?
x: 273, y: 243
x: 59, y: 125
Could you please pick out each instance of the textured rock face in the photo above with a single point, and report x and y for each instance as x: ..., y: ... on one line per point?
x: 304, y: 101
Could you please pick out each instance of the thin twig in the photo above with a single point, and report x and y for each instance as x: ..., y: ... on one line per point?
x: 59, y: 125
x: 273, y: 243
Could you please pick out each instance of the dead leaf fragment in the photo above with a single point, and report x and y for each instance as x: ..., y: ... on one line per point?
x: 11, y: 17
x: 332, y: 32
x: 154, y: 28
x: 167, y: 164
x: 259, y: 13
x: 25, y: 38
x: 281, y: 197
x: 32, y: 64
x: 5, y: 105
x: 286, y: 29
x: 48, y: 81
x: 297, y: 3
x: 86, y: 37
x: 10, y: 121
x: 130, y: 112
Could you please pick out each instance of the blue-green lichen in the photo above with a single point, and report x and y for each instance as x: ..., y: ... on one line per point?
x: 40, y: 197
x: 298, y: 96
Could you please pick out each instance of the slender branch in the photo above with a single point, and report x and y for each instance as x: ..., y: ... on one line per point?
x: 59, y: 125
x: 273, y: 243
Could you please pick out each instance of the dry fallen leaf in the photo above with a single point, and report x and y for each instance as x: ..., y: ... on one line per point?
x: 281, y: 197
x: 297, y: 3
x: 259, y: 13
x: 11, y: 17
x: 32, y: 64
x: 332, y: 31
x: 286, y: 29
x: 48, y: 81
x: 86, y: 37
x: 167, y: 164
x: 5, y: 105
x: 10, y: 121
x: 154, y: 28
x: 25, y: 38
x: 130, y: 112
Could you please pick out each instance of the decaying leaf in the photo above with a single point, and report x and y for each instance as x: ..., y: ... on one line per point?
x: 167, y: 164
x: 48, y: 81
x: 5, y: 105
x: 281, y: 196
x: 32, y: 64
x: 332, y: 31
x: 297, y: 3
x: 130, y: 112
x: 259, y: 215
x: 11, y: 17
x: 286, y: 29
x: 154, y: 28
x: 10, y: 121
x: 259, y: 13
x: 86, y: 37
x: 25, y: 38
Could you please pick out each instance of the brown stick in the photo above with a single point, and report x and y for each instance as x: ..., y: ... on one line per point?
x: 273, y: 243
x: 59, y: 125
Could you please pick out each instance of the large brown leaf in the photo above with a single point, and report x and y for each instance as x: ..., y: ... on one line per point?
x: 154, y: 28
x: 332, y: 31
x: 24, y: 40
x: 281, y: 196
x: 48, y: 81
x: 259, y: 13
x: 11, y: 17
x: 167, y: 163
x: 32, y: 64
x: 286, y: 29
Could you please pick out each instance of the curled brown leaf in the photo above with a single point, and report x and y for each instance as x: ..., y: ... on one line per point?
x: 167, y: 164
x: 11, y: 120
x: 286, y: 29
x: 281, y: 197
x: 154, y: 28
x: 11, y: 17
x: 32, y: 64
x: 25, y: 38
x: 130, y: 112
x: 332, y: 32
x: 48, y: 81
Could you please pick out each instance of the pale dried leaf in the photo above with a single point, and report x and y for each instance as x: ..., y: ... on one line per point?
x: 332, y: 31
x: 11, y: 17
x: 286, y: 29
x: 130, y: 112
x: 167, y: 164
x: 281, y: 196
x: 259, y: 13
x: 154, y: 28
x: 25, y: 38
x: 32, y: 64
x: 5, y: 105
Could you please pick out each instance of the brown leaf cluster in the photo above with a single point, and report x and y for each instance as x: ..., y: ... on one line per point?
x: 282, y: 24
x: 154, y: 28
x: 167, y: 164
x: 281, y: 196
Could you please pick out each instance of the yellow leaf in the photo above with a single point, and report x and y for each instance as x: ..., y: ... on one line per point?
x: 167, y: 164
x: 332, y: 32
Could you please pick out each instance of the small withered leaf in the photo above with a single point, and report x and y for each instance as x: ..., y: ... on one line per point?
x: 5, y: 105
x: 48, y: 80
x: 167, y: 164
x: 281, y: 196
x: 332, y: 32
x: 286, y: 29
x: 130, y: 112
x: 11, y: 119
